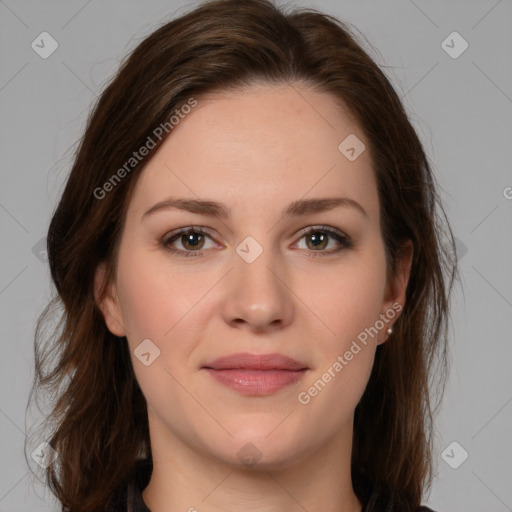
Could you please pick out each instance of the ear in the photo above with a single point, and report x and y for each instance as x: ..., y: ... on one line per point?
x: 107, y: 300
x: 396, y: 288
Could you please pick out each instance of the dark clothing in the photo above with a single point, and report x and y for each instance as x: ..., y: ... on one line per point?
x: 130, y: 499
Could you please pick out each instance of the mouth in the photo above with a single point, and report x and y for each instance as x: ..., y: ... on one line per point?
x: 256, y: 375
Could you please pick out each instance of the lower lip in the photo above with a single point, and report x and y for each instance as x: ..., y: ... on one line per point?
x: 256, y: 382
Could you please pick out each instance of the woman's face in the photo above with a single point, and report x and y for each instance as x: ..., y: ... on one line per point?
x: 256, y: 280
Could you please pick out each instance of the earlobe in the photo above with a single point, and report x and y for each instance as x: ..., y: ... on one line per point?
x: 397, y: 289
x: 105, y: 295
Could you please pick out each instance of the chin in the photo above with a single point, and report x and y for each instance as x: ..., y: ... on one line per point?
x: 254, y: 449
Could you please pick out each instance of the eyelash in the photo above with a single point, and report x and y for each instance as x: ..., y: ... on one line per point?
x: 344, y: 240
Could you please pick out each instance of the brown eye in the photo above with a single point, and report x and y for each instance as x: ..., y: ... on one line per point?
x: 318, y: 239
x: 192, y: 241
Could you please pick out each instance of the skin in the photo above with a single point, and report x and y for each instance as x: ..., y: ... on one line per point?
x: 255, y: 151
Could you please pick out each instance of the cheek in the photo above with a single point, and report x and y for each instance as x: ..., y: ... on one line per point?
x: 164, y: 305
x: 347, y: 300
x: 153, y: 296
x: 344, y: 353
x: 349, y: 303
x: 156, y: 306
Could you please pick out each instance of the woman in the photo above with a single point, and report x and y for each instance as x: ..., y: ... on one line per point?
x: 250, y: 255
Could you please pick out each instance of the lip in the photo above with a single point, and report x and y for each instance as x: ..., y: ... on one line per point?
x: 247, y: 361
x: 256, y: 375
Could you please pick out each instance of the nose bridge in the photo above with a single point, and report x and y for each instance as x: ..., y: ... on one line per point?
x: 258, y: 296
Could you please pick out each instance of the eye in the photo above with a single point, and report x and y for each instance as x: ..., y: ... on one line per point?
x: 191, y: 238
x: 318, y: 238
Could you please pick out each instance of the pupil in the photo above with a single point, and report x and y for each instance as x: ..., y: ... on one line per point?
x: 318, y: 238
x: 190, y: 239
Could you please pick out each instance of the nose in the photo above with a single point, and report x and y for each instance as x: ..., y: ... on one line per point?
x: 258, y: 297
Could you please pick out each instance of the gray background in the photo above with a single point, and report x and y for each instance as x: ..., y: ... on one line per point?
x: 462, y: 108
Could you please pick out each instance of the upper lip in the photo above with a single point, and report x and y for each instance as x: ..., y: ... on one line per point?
x: 248, y: 361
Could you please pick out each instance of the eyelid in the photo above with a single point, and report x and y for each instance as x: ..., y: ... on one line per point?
x: 322, y: 227
x: 187, y: 229
x: 342, y: 239
x: 301, y: 233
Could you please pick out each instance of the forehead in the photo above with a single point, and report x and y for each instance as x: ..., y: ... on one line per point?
x: 259, y: 149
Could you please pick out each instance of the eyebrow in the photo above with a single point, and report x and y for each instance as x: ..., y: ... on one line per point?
x: 296, y: 208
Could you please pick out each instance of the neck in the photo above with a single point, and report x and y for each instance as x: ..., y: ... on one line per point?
x: 185, y: 478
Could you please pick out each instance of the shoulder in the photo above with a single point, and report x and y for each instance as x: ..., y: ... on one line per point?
x: 128, y: 496
x: 375, y: 499
x: 141, y: 476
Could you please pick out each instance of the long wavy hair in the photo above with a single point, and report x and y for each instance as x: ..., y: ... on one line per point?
x: 97, y: 419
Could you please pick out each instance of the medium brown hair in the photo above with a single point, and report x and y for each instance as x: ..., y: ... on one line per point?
x: 98, y: 416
